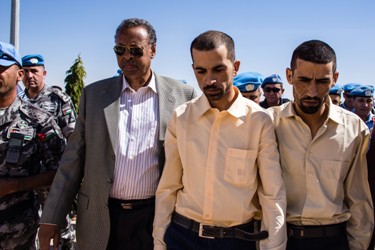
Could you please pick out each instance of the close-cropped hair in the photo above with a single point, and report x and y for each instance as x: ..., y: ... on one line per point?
x: 137, y: 22
x: 213, y: 39
x: 314, y: 51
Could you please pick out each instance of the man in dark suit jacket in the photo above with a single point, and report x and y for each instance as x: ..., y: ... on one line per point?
x: 110, y: 158
x: 371, y: 177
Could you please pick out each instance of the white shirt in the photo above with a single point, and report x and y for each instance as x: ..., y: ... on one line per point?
x: 136, y: 170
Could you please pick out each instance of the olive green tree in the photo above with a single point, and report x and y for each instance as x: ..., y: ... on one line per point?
x: 74, y: 83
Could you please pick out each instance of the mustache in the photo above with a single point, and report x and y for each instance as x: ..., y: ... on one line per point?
x: 311, y: 98
x: 211, y: 87
x: 129, y: 62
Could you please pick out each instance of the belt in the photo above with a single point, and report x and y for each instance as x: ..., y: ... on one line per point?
x: 324, y: 231
x: 248, y: 231
x: 16, y: 210
x: 132, y: 204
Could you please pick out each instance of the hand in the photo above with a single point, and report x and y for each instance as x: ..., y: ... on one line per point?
x: 46, y: 233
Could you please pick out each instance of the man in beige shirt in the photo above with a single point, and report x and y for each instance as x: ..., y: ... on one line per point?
x: 322, y: 149
x: 222, y: 173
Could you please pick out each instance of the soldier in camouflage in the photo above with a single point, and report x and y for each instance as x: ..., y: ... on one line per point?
x: 51, y: 99
x: 29, y: 138
x: 59, y: 105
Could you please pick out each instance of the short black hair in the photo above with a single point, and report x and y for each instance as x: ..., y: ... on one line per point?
x: 213, y: 39
x: 137, y: 22
x: 314, y: 51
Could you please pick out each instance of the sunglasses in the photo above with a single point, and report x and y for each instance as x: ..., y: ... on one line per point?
x: 269, y: 89
x: 134, y: 51
x: 7, y: 56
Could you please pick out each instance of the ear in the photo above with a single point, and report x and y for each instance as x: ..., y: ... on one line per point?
x: 20, y: 75
x: 335, y: 77
x: 236, y: 66
x: 153, y: 50
x: 289, y: 75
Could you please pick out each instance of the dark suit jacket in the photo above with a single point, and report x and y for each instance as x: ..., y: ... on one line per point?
x: 371, y: 174
x: 87, y: 166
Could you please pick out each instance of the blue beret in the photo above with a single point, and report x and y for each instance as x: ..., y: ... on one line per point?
x: 9, y: 55
x: 350, y: 86
x: 33, y: 60
x: 272, y: 79
x: 336, y: 90
x: 248, y: 81
x: 363, y: 91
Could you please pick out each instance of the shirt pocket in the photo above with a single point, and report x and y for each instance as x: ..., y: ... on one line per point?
x: 240, y: 169
x: 335, y: 170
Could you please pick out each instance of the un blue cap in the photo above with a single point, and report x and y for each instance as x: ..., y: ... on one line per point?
x: 33, y: 60
x: 248, y: 81
x: 272, y: 79
x: 336, y: 90
x: 350, y: 86
x: 363, y: 91
x: 9, y: 55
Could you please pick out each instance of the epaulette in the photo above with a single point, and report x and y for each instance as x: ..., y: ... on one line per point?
x: 58, y: 91
x: 34, y: 112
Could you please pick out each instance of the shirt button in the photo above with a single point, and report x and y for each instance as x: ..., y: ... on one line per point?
x: 109, y: 180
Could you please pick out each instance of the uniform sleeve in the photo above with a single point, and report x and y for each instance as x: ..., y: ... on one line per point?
x: 51, y: 144
x: 271, y: 191
x: 358, y: 197
x: 69, y: 175
x: 170, y: 183
x: 67, y: 120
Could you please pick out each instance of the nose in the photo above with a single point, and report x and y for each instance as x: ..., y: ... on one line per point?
x: 127, y: 54
x: 28, y: 74
x: 210, y: 79
x: 210, y: 82
x: 312, y: 90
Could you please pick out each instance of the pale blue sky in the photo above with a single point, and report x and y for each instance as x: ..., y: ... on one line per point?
x: 265, y: 31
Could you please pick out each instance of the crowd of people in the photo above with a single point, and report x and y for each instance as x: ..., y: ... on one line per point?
x: 154, y: 166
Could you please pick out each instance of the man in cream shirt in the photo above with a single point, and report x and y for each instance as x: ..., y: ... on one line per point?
x: 323, y: 156
x: 222, y: 173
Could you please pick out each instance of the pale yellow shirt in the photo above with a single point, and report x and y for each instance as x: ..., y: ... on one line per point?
x: 222, y: 168
x: 326, y: 177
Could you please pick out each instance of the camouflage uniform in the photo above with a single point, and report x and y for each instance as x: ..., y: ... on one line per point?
x: 43, y: 144
x: 57, y: 103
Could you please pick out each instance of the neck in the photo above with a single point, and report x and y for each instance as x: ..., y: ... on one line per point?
x: 33, y: 92
x: 316, y: 120
x: 6, y: 101
x: 139, y: 82
x: 226, y: 101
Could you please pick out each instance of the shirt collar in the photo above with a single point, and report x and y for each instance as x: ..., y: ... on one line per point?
x: 334, y: 111
x: 237, y: 109
x: 369, y: 117
x: 151, y: 84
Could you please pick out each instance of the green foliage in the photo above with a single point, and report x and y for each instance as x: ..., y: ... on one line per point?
x: 74, y: 83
